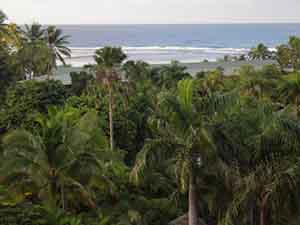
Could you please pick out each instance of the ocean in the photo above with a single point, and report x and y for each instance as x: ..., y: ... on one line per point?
x: 164, y: 43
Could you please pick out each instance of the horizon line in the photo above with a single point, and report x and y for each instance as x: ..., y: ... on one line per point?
x: 200, y: 23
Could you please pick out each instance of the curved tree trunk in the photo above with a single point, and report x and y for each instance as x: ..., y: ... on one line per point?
x: 111, y: 128
x: 263, y: 209
x: 193, y: 213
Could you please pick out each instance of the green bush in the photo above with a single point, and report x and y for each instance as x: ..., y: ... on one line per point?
x: 24, y: 214
x: 25, y: 99
x: 270, y: 71
x: 80, y: 81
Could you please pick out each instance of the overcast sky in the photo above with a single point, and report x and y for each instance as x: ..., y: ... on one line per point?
x: 150, y: 11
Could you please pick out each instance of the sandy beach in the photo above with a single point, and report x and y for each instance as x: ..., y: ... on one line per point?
x: 63, y: 73
x: 229, y: 67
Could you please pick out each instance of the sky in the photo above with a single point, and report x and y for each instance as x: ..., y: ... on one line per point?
x: 150, y: 11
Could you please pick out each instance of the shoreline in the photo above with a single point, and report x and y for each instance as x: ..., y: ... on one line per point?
x: 63, y: 73
x: 229, y: 67
x: 160, y: 54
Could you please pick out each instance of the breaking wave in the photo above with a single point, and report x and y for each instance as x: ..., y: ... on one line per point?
x: 89, y: 52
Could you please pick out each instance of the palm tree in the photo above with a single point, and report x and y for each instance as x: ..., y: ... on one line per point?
x: 257, y: 196
x: 34, y: 59
x: 169, y: 75
x: 2, y: 17
x: 109, y: 60
x: 258, y: 83
x: 182, y: 134
x: 258, y: 86
x: 210, y: 83
x: 136, y: 70
x: 294, y: 45
x: 53, y: 37
x: 2, y: 23
x: 289, y: 90
x: 33, y: 32
x: 260, y: 52
x: 58, y: 162
x: 283, y: 56
x: 34, y: 53
x: 57, y: 43
x: 260, y: 148
x: 9, y: 34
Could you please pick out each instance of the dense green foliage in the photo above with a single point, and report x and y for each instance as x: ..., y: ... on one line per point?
x: 24, y: 100
x: 79, y: 82
x: 8, y: 74
x: 133, y: 144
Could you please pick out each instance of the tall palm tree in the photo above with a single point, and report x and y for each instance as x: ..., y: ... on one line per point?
x: 109, y: 60
x: 34, y: 59
x: 181, y: 133
x: 59, y: 161
x: 58, y: 44
x: 33, y: 32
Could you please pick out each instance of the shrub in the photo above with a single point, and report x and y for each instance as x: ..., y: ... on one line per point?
x: 270, y: 71
x: 25, y: 99
x: 24, y: 214
x: 80, y: 81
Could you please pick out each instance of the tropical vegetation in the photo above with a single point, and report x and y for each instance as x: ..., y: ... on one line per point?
x: 128, y: 143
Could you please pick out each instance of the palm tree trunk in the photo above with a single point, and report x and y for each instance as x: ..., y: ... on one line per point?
x: 31, y: 75
x: 111, y: 128
x: 63, y: 197
x: 294, y: 67
x: 251, y: 212
x: 50, y: 72
x: 263, y: 209
x: 297, y: 106
x: 193, y: 214
x: 282, y: 68
x: 52, y: 194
